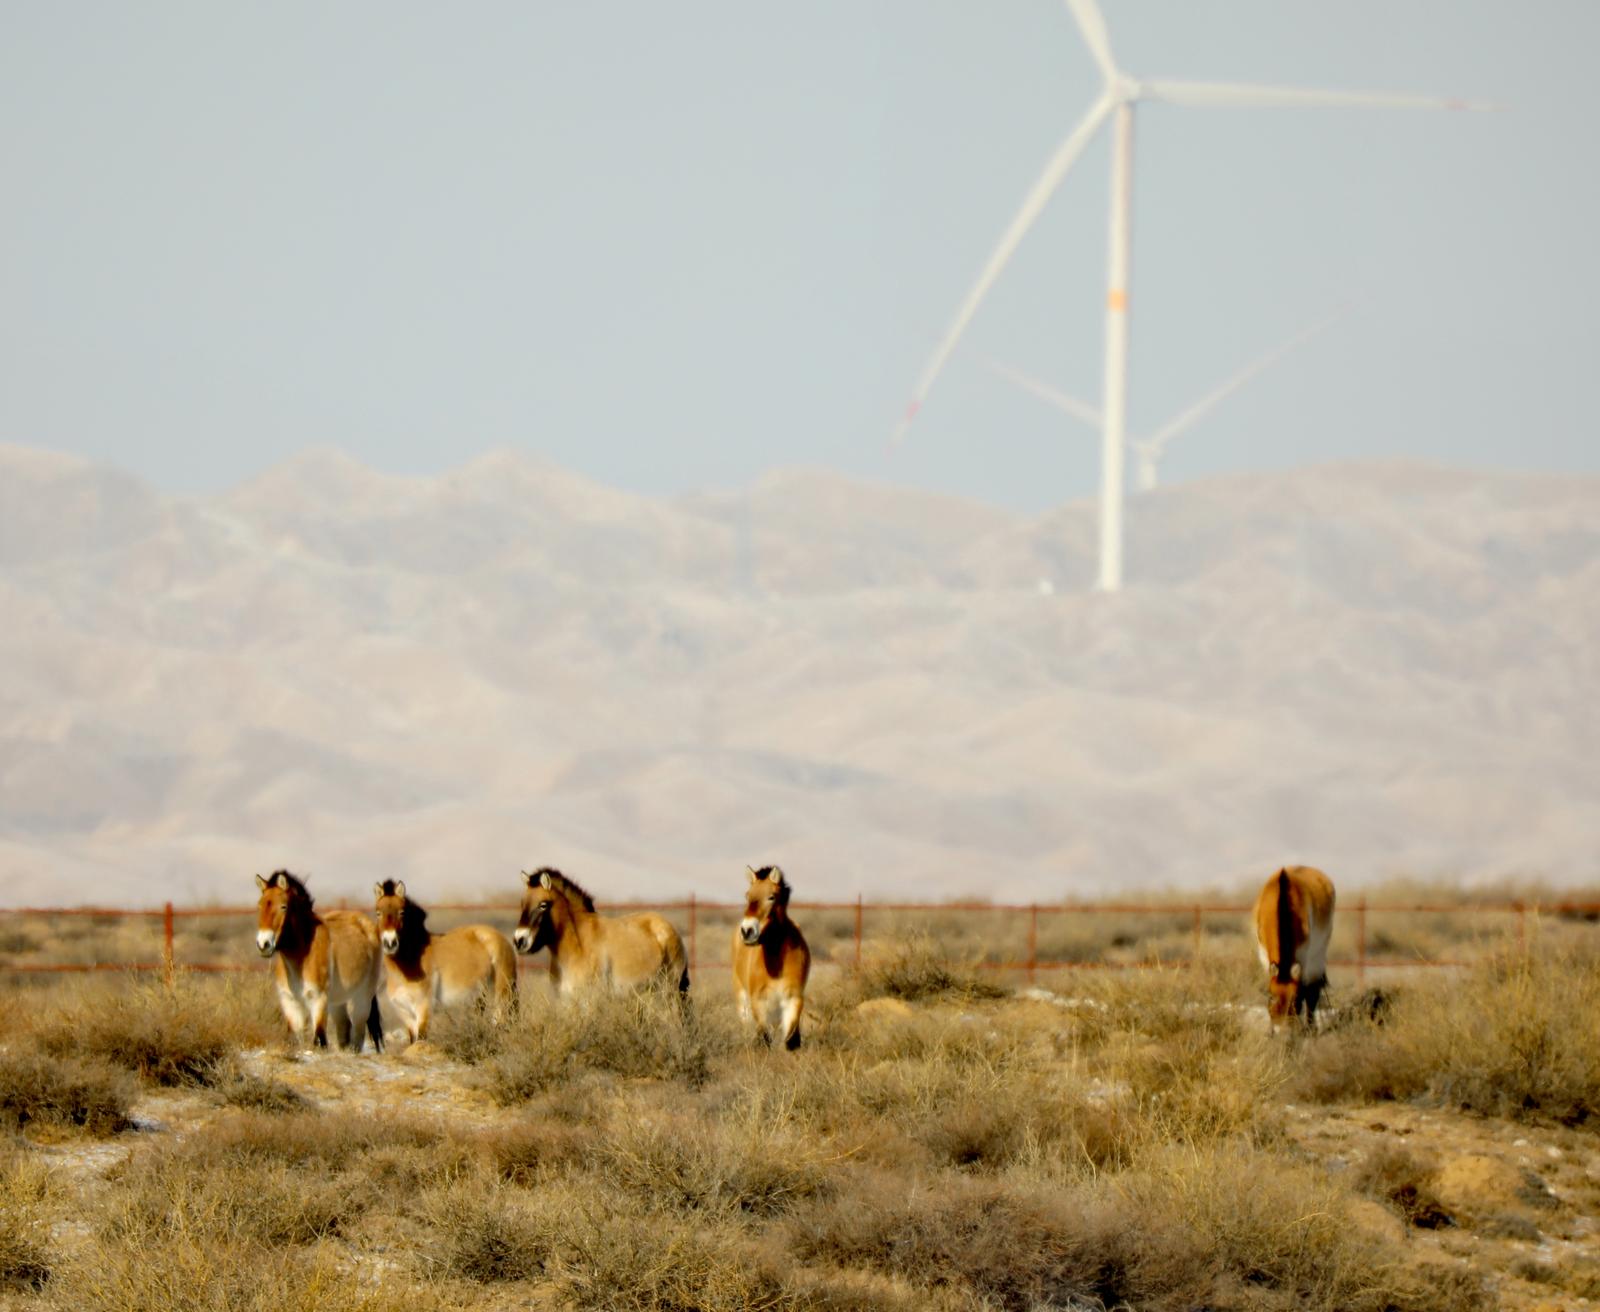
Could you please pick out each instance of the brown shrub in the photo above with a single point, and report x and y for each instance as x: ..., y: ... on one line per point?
x: 189, y: 1274
x: 636, y: 1036
x: 1510, y: 1037
x: 1399, y: 1178
x: 180, y: 1036
x: 918, y: 970
x: 36, y: 1089
x: 26, y: 1209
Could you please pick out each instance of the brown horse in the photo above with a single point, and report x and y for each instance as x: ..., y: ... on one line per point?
x: 1294, y: 920
x: 588, y: 950
x: 770, y: 959
x: 425, y: 970
x: 324, y: 965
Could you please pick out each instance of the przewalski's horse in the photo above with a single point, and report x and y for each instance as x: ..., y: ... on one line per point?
x: 326, y: 966
x: 588, y: 950
x: 424, y: 970
x: 770, y: 959
x: 1294, y: 920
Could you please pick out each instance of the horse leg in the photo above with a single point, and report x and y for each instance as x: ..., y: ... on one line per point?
x: 747, y: 1016
x: 294, y: 1011
x: 419, y: 1021
x: 1311, y: 994
x: 791, y: 1023
x: 317, y: 1000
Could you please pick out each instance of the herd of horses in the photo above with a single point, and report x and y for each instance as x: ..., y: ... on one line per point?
x: 334, y: 970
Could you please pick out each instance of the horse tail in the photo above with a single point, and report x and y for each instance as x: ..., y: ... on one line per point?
x: 375, y: 1025
x: 1286, y: 929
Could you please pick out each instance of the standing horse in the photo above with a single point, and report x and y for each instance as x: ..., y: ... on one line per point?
x: 588, y: 950
x: 1294, y: 920
x: 425, y: 969
x: 324, y: 964
x: 770, y: 959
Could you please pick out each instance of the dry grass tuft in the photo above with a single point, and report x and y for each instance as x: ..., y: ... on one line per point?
x: 175, y: 1037
x: 1511, y: 1037
x: 62, y: 1092
x: 185, y: 1274
x: 918, y: 970
x: 1399, y: 1178
x: 26, y: 1210
x: 632, y: 1036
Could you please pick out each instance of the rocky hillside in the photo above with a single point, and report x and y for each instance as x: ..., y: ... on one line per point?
x: 1380, y: 668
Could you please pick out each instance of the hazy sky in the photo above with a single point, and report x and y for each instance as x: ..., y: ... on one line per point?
x: 676, y: 245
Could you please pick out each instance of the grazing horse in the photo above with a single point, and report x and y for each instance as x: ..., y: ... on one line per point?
x: 425, y: 969
x: 588, y: 950
x: 1294, y: 920
x: 770, y: 959
x: 324, y: 965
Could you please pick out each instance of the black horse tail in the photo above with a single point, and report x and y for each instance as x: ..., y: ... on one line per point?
x: 375, y: 1026
x: 1286, y: 930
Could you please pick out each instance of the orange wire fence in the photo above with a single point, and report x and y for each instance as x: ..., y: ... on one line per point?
x: 692, y: 911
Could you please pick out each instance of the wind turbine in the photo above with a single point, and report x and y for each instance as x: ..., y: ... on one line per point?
x: 1119, y: 94
x: 1149, y: 449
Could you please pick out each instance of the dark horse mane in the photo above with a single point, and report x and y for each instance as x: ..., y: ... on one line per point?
x: 299, y: 916
x: 767, y: 872
x: 295, y: 885
x: 565, y: 884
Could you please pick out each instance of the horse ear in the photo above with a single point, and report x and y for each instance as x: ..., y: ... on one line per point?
x: 751, y: 871
x: 760, y: 874
x: 377, y: 889
x: 544, y: 879
x: 261, y: 883
x: 399, y: 888
x: 777, y: 876
x: 529, y: 878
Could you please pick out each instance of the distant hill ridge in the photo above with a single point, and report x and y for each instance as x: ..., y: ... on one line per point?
x: 1377, y: 667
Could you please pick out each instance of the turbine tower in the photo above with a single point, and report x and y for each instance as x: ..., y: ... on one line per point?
x: 1149, y: 449
x: 1119, y: 95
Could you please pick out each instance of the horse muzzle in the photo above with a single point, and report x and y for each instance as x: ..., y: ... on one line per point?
x: 266, y: 942
x: 522, y: 940
x: 390, y: 941
x: 749, y: 932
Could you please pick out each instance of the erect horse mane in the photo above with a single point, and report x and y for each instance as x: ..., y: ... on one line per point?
x: 767, y: 872
x: 294, y: 884
x: 413, y: 916
x: 566, y: 885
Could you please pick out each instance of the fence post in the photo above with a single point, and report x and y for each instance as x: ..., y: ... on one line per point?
x: 1361, y: 941
x: 1197, y: 934
x: 858, y: 932
x: 694, y: 946
x: 1033, y: 942
x: 167, y: 963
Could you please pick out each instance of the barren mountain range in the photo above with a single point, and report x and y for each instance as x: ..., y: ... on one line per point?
x: 1379, y: 668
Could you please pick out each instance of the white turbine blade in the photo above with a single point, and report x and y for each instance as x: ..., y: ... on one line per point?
x: 1061, y: 400
x: 1091, y: 22
x: 1225, y: 94
x: 1157, y: 440
x: 1066, y: 154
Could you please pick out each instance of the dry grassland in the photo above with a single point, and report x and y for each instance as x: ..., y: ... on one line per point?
x: 1135, y: 1140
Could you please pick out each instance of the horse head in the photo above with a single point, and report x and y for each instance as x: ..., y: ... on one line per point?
x: 766, y: 903
x: 283, y: 898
